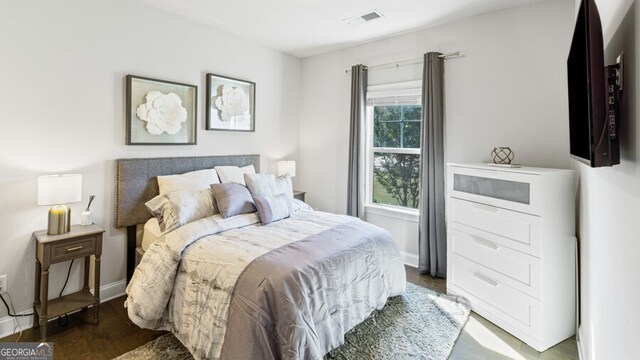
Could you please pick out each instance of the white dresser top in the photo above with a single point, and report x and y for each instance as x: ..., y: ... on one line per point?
x: 522, y: 170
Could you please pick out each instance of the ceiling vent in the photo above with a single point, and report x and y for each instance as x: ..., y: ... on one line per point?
x: 370, y: 16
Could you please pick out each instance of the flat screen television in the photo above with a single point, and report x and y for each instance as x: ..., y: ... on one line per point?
x: 593, y: 93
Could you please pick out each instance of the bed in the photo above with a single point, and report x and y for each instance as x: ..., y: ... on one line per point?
x: 232, y: 288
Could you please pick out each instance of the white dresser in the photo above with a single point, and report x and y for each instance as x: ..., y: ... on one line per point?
x: 511, y: 248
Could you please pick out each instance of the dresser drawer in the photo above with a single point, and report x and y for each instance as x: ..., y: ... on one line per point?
x: 512, y: 267
x: 512, y: 190
x: 65, y: 250
x: 509, y: 228
x: 487, y: 294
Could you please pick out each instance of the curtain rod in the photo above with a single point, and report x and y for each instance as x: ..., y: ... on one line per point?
x: 399, y: 63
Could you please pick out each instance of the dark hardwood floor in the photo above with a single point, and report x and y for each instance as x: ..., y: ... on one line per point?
x: 112, y: 337
x: 413, y: 276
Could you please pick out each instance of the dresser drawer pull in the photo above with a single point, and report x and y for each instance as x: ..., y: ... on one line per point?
x: 487, y: 208
x: 486, y: 279
x: 486, y: 243
x: 75, y: 248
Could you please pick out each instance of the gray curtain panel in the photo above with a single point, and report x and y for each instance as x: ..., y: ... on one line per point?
x: 355, y: 191
x: 432, y: 250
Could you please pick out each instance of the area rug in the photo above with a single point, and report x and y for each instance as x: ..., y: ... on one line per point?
x: 420, y: 324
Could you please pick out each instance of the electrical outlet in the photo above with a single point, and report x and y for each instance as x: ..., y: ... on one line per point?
x: 4, y: 284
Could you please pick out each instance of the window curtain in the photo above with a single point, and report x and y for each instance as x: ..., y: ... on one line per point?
x: 432, y: 251
x: 355, y: 191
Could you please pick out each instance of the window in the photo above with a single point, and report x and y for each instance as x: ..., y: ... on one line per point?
x: 394, y: 114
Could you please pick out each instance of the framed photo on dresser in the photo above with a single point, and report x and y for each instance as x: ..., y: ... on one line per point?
x: 230, y: 104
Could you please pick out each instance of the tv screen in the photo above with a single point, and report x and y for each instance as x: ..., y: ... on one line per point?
x: 588, y: 127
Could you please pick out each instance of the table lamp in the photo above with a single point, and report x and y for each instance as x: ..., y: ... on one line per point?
x: 287, y: 166
x: 59, y: 190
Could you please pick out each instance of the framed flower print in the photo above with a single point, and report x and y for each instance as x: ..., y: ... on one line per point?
x: 160, y: 112
x: 230, y: 104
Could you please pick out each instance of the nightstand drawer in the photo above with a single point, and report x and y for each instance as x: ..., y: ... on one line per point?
x: 73, y: 248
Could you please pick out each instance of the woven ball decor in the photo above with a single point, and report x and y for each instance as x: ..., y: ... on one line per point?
x: 502, y: 155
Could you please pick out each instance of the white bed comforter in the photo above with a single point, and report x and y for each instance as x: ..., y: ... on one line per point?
x: 185, y: 280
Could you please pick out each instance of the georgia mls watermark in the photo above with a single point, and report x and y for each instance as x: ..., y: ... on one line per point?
x: 26, y: 351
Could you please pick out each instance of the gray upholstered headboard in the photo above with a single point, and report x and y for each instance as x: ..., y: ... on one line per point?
x: 136, y: 184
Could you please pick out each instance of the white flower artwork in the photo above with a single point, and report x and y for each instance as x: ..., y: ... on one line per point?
x: 162, y: 112
x: 231, y: 102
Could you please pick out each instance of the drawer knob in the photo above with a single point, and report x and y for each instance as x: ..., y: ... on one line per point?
x: 486, y: 279
x: 75, y: 248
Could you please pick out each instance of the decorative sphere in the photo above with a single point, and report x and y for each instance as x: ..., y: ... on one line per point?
x: 502, y: 155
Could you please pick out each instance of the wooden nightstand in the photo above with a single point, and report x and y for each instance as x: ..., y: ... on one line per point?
x: 81, y: 241
x: 300, y: 195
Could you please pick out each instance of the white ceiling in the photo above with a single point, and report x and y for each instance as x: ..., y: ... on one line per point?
x: 309, y: 27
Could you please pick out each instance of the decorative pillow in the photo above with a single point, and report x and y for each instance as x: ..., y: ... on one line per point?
x: 297, y: 205
x: 195, y: 180
x: 232, y: 199
x: 181, y: 207
x: 234, y: 174
x: 273, y: 208
x: 284, y: 185
x: 260, y: 184
x: 268, y: 184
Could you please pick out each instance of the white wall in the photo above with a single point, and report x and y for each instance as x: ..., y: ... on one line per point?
x: 62, y: 97
x: 609, y: 209
x: 508, y: 89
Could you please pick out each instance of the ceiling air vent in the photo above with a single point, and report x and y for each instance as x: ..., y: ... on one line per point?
x: 357, y: 20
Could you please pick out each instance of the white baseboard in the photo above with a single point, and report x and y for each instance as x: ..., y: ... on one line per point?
x: 409, y: 259
x: 107, y: 292
x: 113, y: 290
x: 7, y: 324
x: 582, y: 353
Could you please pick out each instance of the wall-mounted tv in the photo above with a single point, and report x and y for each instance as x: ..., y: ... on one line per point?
x: 593, y: 93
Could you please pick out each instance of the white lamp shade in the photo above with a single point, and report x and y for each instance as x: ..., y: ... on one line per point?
x: 59, y: 189
x: 287, y: 166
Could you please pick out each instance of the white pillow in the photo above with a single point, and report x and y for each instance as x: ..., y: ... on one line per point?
x: 234, y: 174
x: 191, y: 181
x: 299, y: 205
x: 269, y: 185
x: 181, y: 207
x: 284, y: 185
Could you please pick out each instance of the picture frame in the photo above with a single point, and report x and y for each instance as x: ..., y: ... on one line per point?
x: 160, y: 112
x: 230, y: 104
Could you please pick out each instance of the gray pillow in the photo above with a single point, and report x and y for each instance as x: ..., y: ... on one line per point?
x: 181, y: 207
x: 232, y: 199
x: 273, y: 208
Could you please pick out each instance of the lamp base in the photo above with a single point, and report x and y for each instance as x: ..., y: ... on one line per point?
x: 59, y: 220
